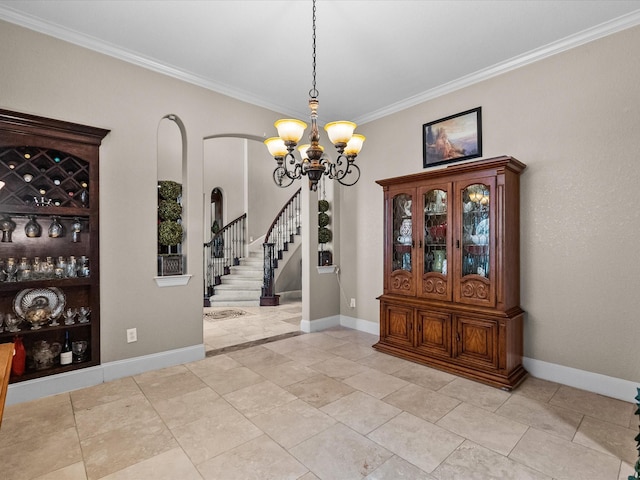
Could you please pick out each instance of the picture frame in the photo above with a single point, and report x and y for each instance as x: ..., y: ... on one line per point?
x: 453, y: 138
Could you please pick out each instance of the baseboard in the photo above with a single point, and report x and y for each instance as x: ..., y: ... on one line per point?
x: 88, y: 377
x: 593, y: 382
x: 361, y: 325
x: 308, y: 326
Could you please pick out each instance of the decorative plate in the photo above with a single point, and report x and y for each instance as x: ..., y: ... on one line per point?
x: 55, y: 300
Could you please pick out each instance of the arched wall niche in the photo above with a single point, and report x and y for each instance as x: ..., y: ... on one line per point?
x: 171, y: 166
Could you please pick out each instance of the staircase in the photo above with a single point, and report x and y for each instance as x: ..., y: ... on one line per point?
x: 233, y: 280
x: 242, y: 286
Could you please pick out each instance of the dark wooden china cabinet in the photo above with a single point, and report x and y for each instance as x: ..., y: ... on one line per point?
x: 49, y: 252
x: 451, y: 295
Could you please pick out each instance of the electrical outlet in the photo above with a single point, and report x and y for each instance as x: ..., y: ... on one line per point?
x: 132, y: 335
x: 353, y: 303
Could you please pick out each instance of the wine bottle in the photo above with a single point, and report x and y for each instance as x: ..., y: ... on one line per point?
x: 66, y: 355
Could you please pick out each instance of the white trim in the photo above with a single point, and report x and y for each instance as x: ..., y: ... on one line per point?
x: 173, y: 280
x: 593, y: 382
x: 322, y: 269
x: 88, y: 377
x: 308, y: 326
x: 361, y: 325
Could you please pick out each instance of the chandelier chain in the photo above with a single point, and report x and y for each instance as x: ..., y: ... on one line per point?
x: 313, y: 93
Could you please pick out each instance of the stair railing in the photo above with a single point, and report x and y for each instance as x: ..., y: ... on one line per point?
x: 281, y: 232
x: 224, y: 250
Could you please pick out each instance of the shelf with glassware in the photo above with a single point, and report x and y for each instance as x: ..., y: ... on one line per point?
x: 49, y: 269
x: 451, y: 297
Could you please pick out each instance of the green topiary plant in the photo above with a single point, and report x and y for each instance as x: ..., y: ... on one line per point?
x: 323, y: 219
x: 169, y: 190
x: 169, y: 210
x: 169, y: 233
x: 324, y: 235
x: 323, y: 205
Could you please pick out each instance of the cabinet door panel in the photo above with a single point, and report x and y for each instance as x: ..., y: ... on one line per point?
x: 434, y: 333
x: 475, y: 255
x: 397, y: 323
x: 435, y: 242
x: 477, y: 341
x: 401, y: 242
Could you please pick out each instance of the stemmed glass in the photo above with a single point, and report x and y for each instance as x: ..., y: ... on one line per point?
x: 79, y: 349
x: 84, y: 314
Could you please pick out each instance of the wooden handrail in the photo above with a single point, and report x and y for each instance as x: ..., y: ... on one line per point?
x: 280, y: 213
x: 225, y: 228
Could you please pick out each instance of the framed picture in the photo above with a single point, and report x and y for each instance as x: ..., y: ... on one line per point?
x: 451, y: 139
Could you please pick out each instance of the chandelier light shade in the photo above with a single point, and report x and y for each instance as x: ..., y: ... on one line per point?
x: 313, y: 162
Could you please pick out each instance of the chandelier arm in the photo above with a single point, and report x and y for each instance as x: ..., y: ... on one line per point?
x: 350, y: 172
x: 280, y: 177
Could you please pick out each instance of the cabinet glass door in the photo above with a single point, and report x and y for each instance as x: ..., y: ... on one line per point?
x: 476, y: 230
x: 475, y: 282
x: 436, y: 244
x: 402, y: 242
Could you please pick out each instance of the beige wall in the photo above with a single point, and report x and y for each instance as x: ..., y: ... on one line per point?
x: 51, y: 78
x: 574, y: 120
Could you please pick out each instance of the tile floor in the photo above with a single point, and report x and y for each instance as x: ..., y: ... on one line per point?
x: 316, y: 406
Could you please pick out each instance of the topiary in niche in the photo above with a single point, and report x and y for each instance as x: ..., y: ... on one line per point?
x: 169, y: 190
x: 169, y: 210
x: 169, y: 233
x: 324, y: 235
x: 323, y: 219
x: 323, y: 206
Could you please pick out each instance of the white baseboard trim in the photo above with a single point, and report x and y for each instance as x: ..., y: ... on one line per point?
x: 361, y: 325
x: 88, y: 377
x: 308, y: 326
x: 593, y: 382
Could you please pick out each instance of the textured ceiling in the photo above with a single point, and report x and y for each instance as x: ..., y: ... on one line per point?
x: 373, y: 57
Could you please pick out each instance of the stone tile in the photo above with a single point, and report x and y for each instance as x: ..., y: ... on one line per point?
x: 170, y: 465
x: 338, y: 367
x: 114, y: 416
x: 396, y: 469
x: 608, y: 438
x: 75, y: 471
x: 155, y: 375
x: 597, y: 406
x: 311, y: 476
x: 353, y: 336
x: 40, y: 454
x: 258, y: 357
x: 417, y: 441
x: 223, y: 430
x: 258, y: 459
x: 286, y: 373
x: 227, y: 381
x: 211, y: 365
x: 259, y: 398
x: 475, y: 393
x: 537, y: 389
x: 104, y: 393
x: 375, y: 383
x: 422, y: 402
x: 306, y: 355
x: 352, y: 351
x: 322, y: 341
x: 215, y: 341
x: 319, y: 390
x: 286, y: 345
x: 361, y: 412
x: 473, y: 462
x: 293, y: 422
x: 485, y: 428
x: 26, y: 421
x: 424, y: 376
x: 561, y: 459
x: 122, y: 447
x: 170, y: 385
x: 384, y: 363
x: 186, y: 408
x: 559, y: 421
x: 340, y: 453
x: 626, y: 470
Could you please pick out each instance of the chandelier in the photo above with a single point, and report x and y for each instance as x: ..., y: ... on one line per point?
x: 313, y: 162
